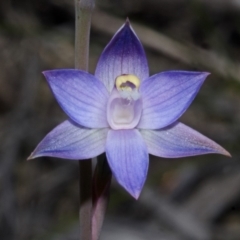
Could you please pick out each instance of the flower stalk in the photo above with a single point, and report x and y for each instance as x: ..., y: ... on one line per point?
x: 83, y: 13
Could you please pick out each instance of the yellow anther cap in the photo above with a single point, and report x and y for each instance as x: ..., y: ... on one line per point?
x: 127, y: 82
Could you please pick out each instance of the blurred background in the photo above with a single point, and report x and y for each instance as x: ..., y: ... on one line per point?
x: 195, y: 198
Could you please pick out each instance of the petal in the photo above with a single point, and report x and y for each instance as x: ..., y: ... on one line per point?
x: 123, y: 55
x: 69, y: 140
x: 167, y: 95
x: 179, y: 140
x: 128, y: 159
x: 81, y: 95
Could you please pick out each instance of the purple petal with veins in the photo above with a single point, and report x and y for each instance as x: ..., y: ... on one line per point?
x: 81, y: 95
x: 123, y: 55
x: 179, y: 140
x: 128, y: 159
x: 72, y: 141
x: 167, y: 95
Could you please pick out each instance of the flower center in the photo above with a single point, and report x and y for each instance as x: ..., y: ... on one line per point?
x: 127, y: 86
x: 125, y: 106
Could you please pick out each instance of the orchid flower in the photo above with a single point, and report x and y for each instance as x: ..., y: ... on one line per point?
x: 122, y: 111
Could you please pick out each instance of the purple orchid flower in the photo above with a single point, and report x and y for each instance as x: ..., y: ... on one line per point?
x: 125, y: 113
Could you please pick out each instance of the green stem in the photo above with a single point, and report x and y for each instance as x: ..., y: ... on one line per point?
x: 83, y: 13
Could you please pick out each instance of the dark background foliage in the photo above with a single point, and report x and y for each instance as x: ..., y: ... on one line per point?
x: 191, y: 198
